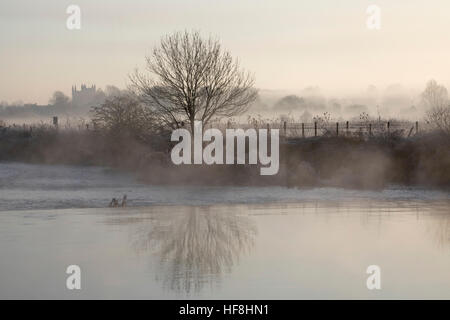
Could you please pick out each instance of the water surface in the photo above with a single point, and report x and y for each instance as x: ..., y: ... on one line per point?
x: 205, y: 243
x: 295, y: 251
x: 31, y: 186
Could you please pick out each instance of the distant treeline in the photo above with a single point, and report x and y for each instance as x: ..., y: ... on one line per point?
x: 34, y: 110
x: 59, y: 104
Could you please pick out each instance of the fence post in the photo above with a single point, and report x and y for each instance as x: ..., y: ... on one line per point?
x: 284, y: 127
x: 370, y: 129
x: 315, y: 129
x: 55, y: 121
x: 388, y: 127
x: 346, y: 126
x: 417, y: 127
x: 303, y: 130
x: 268, y: 129
x: 337, y: 129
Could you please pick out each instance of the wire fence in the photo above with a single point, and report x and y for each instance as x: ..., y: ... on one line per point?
x: 286, y: 129
x: 344, y: 128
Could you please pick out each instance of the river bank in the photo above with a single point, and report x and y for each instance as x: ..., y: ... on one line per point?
x: 348, y: 162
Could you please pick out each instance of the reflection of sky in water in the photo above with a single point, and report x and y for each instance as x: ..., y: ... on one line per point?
x: 291, y: 251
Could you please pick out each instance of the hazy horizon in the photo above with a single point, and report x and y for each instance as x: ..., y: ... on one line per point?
x: 287, y: 47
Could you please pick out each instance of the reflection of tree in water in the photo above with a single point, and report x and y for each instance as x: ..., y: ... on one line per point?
x: 439, y: 229
x: 196, y: 246
x: 435, y: 215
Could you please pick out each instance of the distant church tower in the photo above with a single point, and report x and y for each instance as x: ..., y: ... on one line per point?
x: 83, y: 97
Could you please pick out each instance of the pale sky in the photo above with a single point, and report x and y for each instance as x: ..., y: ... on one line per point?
x: 287, y: 44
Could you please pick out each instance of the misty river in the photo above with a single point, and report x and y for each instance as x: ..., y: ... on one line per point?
x: 215, y: 242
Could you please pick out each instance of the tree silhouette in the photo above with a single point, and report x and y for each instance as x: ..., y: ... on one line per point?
x: 189, y: 78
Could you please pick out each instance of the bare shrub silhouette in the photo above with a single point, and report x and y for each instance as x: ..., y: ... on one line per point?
x: 439, y: 117
x: 124, y: 115
x: 435, y: 98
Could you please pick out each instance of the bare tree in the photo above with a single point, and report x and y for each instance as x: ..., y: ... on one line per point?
x: 435, y: 98
x: 189, y: 78
x: 435, y: 95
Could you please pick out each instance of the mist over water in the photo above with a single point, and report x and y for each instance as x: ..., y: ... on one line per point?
x: 32, y: 186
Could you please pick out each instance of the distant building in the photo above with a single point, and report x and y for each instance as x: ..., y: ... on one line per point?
x: 83, y: 97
